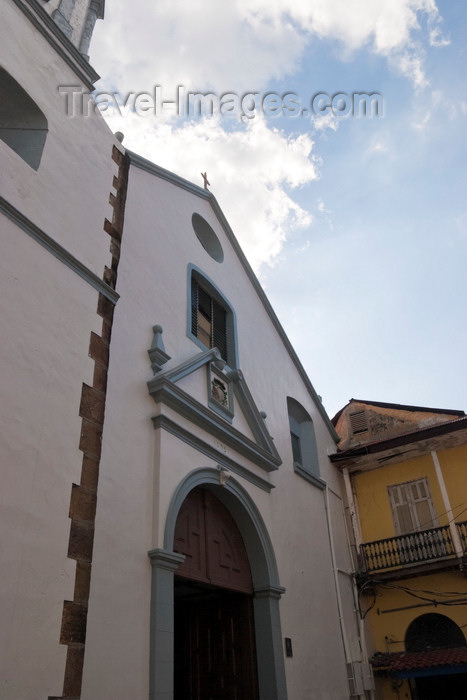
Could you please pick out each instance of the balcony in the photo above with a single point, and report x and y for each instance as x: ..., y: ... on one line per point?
x: 425, y: 547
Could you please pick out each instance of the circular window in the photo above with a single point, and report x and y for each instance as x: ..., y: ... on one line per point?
x: 207, y: 238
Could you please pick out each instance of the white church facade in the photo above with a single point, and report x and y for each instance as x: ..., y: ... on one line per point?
x: 172, y: 526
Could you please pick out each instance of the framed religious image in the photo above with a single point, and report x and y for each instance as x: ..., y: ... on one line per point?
x: 220, y: 397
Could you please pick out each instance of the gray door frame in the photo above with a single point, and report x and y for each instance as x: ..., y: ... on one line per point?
x: 267, y: 589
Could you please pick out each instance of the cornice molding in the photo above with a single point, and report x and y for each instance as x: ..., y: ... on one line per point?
x: 274, y: 592
x: 163, y: 559
x: 149, y: 167
x: 163, y: 389
x: 165, y: 423
x: 311, y: 478
x: 255, y: 419
x: 57, y: 250
x: 223, y: 462
x: 192, y: 364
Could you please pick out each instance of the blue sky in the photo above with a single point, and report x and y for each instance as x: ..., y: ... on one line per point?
x: 356, y: 227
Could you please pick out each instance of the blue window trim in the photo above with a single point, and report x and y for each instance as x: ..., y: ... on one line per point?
x: 213, y: 290
x: 24, y: 125
x: 302, y: 429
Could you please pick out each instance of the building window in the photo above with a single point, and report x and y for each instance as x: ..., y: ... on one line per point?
x: 212, y: 320
x: 303, y: 442
x: 23, y: 127
x: 296, y: 446
x: 207, y: 238
x: 412, y: 507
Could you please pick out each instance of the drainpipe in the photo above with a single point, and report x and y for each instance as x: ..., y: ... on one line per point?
x: 358, y: 542
x: 456, y: 540
x: 345, y: 642
x: 353, y: 509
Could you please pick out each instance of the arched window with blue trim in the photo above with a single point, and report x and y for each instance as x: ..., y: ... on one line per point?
x: 23, y: 126
x: 303, y: 443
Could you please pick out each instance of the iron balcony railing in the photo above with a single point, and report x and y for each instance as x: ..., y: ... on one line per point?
x: 462, y: 528
x: 412, y: 549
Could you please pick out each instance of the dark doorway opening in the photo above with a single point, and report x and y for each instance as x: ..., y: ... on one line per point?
x: 214, y: 643
x: 451, y: 686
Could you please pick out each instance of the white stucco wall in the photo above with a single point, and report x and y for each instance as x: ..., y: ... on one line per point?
x: 68, y: 196
x: 47, y: 313
x: 141, y: 467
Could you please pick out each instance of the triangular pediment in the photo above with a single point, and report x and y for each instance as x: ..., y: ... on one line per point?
x: 219, y: 401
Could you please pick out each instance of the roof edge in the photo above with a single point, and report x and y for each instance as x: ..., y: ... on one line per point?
x: 399, y: 407
x: 404, y: 439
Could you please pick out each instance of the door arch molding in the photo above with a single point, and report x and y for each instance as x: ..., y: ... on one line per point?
x: 267, y: 589
x: 244, y: 512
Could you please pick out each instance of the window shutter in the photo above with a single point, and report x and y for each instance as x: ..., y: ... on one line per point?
x: 219, y: 329
x: 424, y: 509
x: 194, y: 306
x: 209, y: 320
x: 401, y: 509
x: 412, y: 506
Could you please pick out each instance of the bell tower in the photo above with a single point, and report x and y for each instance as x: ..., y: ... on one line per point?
x: 76, y: 19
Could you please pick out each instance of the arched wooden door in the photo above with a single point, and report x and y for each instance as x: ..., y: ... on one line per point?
x: 214, y: 651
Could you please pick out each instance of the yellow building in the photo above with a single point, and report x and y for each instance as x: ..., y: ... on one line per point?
x: 405, y: 469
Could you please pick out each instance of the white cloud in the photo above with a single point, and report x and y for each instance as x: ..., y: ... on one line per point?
x: 378, y: 146
x: 240, y: 47
x: 438, y: 39
x: 385, y: 27
x: 328, y: 121
x: 251, y: 172
x: 436, y: 109
x: 243, y: 45
x: 324, y: 214
x: 198, y: 43
x: 421, y: 124
x: 385, y: 23
x: 410, y: 64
